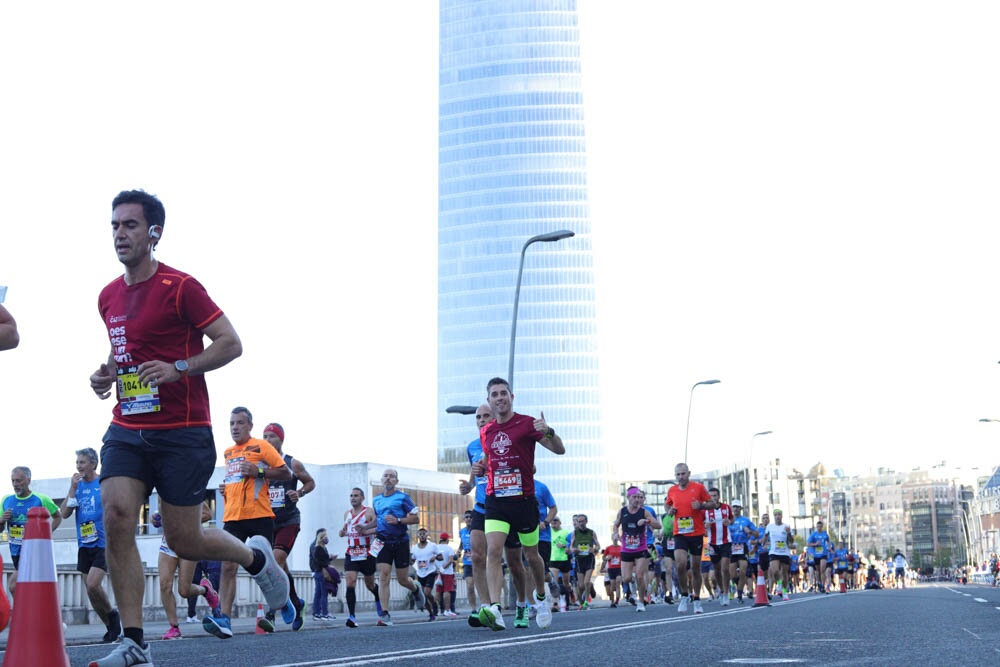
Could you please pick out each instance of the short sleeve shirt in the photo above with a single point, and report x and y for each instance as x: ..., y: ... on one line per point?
x: 158, y: 319
x: 248, y: 497
x: 399, y: 505
x: 510, y: 454
x: 688, y: 521
x: 424, y: 558
x: 545, y: 501
x: 19, y: 516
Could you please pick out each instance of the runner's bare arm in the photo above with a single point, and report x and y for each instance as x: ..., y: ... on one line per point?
x: 550, y: 440
x: 308, y: 483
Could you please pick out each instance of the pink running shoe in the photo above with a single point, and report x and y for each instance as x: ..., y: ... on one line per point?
x: 210, y: 595
x: 173, y: 633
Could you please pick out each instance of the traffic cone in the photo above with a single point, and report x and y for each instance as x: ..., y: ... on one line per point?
x: 760, y: 597
x: 843, y: 585
x: 4, y: 604
x: 258, y: 630
x: 36, y: 633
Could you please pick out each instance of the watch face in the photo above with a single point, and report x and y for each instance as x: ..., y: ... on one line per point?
x: 181, y: 366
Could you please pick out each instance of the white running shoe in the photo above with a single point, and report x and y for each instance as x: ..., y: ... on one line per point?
x: 697, y: 607
x: 683, y: 606
x: 543, y: 613
x: 724, y: 602
x: 272, y: 580
x: 126, y: 654
x: 640, y: 606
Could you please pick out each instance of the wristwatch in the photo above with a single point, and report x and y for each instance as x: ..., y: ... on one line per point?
x: 260, y: 471
x: 181, y: 367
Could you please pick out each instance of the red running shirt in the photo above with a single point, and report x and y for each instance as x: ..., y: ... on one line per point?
x: 688, y: 522
x: 158, y: 319
x: 510, y: 456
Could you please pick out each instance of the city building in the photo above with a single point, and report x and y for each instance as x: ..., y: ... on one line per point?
x: 512, y: 165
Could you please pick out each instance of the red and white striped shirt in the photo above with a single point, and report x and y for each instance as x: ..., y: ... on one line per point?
x: 716, y: 522
x: 357, y: 544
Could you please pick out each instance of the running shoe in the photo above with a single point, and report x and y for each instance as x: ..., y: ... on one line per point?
x: 492, y: 618
x: 173, y: 633
x: 450, y: 613
x: 319, y: 617
x: 210, y: 595
x: 191, y: 619
x: 614, y: 605
x: 265, y: 624
x: 351, y: 622
x: 521, y: 617
x: 126, y: 654
x: 114, y: 627
x: 385, y: 620
x: 473, y: 619
x: 631, y: 600
x: 584, y: 606
x: 431, y: 617
x: 299, y: 620
x: 543, y: 615
x: 724, y: 602
x: 784, y: 597
x: 272, y: 580
x: 697, y: 607
x: 217, y: 624
x: 683, y: 606
x: 640, y: 606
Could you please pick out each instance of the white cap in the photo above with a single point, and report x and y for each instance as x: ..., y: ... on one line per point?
x: 737, y: 503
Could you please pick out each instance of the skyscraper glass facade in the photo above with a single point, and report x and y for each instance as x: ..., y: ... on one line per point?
x: 512, y: 165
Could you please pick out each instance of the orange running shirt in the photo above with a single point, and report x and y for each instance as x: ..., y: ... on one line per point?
x: 688, y: 522
x: 249, y: 497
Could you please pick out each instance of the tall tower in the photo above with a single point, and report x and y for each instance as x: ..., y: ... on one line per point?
x: 512, y: 165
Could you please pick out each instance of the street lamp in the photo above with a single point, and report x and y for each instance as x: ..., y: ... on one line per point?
x: 543, y: 238
x: 461, y: 410
x: 687, y: 431
x: 750, y: 470
x: 984, y: 419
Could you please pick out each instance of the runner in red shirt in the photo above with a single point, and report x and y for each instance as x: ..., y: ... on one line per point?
x: 161, y: 435
x: 509, y: 452
x: 685, y: 503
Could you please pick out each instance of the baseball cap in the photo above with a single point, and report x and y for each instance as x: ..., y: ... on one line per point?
x: 444, y: 536
x: 737, y: 503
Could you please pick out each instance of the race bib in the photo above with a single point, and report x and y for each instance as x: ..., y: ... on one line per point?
x: 685, y: 525
x: 507, y: 483
x: 234, y: 474
x: 670, y: 543
x: 632, y: 542
x: 583, y: 550
x: 738, y: 548
x: 133, y: 397
x: 277, y: 495
x: 780, y: 544
x: 16, y: 534
x: 711, y: 549
x: 376, y: 547
x: 357, y: 553
x: 88, y: 532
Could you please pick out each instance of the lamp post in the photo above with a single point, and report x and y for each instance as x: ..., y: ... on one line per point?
x: 687, y: 430
x: 750, y: 470
x: 543, y: 238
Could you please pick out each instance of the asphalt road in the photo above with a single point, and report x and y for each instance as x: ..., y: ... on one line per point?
x: 943, y: 623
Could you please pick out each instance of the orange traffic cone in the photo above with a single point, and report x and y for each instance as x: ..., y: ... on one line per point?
x: 4, y: 604
x: 760, y: 597
x: 36, y: 636
x: 258, y: 629
x: 843, y: 585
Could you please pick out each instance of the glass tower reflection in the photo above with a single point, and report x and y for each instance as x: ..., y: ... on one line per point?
x: 512, y: 164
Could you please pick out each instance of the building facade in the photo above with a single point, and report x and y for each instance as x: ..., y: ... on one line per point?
x: 511, y: 166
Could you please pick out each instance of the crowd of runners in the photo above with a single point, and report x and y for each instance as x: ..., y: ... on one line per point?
x: 515, y: 550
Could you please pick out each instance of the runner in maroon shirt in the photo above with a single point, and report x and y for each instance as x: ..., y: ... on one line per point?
x: 509, y: 450
x: 160, y: 434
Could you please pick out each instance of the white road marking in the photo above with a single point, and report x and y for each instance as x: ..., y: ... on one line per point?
x: 972, y: 633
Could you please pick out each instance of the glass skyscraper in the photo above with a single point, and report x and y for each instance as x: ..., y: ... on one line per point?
x: 512, y: 165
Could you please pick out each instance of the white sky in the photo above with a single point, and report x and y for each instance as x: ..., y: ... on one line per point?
x: 796, y: 198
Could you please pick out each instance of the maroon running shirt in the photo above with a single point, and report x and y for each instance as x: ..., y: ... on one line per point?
x: 510, y: 454
x: 158, y: 319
